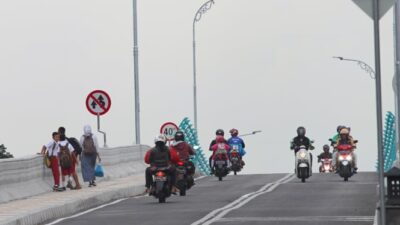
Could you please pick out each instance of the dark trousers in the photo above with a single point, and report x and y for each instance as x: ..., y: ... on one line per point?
x: 149, y: 176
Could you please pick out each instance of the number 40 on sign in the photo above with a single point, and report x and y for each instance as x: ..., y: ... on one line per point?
x: 169, y: 129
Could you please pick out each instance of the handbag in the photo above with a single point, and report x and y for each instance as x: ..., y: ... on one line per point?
x: 99, y: 171
x: 46, y: 157
x: 46, y: 160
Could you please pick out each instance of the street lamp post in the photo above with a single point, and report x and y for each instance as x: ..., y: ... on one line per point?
x: 136, y: 72
x: 252, y: 133
x: 202, y: 10
x: 362, y: 64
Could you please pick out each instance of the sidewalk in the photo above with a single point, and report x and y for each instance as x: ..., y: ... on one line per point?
x: 53, y: 205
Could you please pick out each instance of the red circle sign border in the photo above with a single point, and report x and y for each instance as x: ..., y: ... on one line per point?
x: 90, y: 95
x: 168, y: 123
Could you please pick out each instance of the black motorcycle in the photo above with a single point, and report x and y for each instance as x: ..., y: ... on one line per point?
x: 161, y: 184
x: 220, y: 166
x: 184, y: 176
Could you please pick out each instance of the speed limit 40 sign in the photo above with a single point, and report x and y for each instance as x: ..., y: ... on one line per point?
x: 169, y: 129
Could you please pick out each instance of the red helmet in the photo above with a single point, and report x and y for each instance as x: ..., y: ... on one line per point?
x: 234, y: 132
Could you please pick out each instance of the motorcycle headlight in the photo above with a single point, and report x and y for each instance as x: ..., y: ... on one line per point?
x: 302, y: 155
x: 349, y: 158
x: 341, y: 158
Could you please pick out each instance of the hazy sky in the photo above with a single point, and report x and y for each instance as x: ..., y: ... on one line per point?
x: 262, y: 65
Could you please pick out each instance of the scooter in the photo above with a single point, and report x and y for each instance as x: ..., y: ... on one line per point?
x: 221, y: 168
x: 236, y: 162
x: 326, y: 166
x: 161, y: 185
x: 345, y: 161
x: 184, y: 178
x: 303, y: 164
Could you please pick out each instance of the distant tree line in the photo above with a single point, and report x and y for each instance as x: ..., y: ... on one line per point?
x: 4, y: 154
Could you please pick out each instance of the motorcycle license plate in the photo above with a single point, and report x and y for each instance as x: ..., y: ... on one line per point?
x: 220, y: 162
x: 345, y: 163
x: 161, y: 179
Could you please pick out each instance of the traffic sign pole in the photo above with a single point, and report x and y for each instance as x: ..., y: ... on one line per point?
x: 102, y: 132
x: 98, y: 103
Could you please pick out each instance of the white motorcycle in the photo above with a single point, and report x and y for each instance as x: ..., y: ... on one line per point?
x: 303, y: 164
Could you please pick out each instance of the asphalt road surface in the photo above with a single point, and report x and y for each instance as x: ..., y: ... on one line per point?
x: 251, y: 199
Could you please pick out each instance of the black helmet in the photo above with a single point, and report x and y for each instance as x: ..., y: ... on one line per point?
x: 339, y: 128
x: 220, y: 132
x: 179, y: 136
x: 301, y: 131
x: 326, y: 147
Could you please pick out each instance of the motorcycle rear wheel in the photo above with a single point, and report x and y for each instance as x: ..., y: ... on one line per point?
x: 220, y: 178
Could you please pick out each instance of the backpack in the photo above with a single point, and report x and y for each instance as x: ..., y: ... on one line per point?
x: 88, y: 146
x: 65, y: 157
x: 75, y: 143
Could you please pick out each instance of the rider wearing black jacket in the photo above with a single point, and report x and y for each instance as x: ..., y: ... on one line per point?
x: 301, y: 140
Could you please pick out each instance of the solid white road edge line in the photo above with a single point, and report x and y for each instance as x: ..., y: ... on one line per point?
x: 87, y: 211
x: 219, y: 213
x: 105, y: 205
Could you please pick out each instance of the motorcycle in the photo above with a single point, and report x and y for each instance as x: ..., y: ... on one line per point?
x: 221, y: 168
x: 326, y: 166
x: 184, y: 176
x: 345, y: 161
x: 303, y: 164
x: 161, y: 184
x: 236, y: 162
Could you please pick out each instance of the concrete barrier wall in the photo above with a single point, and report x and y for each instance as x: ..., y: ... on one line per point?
x: 25, y: 177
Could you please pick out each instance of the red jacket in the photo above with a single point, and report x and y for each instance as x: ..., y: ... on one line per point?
x: 183, y: 150
x: 173, y: 156
x: 218, y: 146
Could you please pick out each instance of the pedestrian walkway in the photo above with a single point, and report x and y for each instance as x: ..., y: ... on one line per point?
x: 49, y: 206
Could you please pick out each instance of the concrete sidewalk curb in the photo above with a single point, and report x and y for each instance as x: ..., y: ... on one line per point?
x: 70, y: 206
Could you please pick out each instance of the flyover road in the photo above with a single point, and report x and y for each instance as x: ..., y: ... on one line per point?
x: 250, y: 199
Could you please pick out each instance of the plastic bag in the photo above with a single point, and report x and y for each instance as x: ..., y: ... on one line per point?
x: 99, y: 171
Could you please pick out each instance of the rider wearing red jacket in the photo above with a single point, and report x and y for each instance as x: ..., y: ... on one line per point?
x: 220, y: 145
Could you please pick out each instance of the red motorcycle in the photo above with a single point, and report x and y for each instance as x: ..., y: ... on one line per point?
x: 345, y: 161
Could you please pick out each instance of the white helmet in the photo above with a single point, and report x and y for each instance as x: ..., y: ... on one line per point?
x: 160, y: 137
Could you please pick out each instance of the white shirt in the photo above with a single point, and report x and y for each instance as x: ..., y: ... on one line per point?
x: 52, y: 148
x: 64, y: 143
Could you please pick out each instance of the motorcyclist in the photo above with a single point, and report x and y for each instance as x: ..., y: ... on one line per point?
x: 219, y: 132
x: 158, y: 157
x: 301, y: 140
x: 346, y: 139
x: 220, y: 145
x: 183, y: 149
x: 326, y: 154
x: 337, y: 135
x: 237, y: 141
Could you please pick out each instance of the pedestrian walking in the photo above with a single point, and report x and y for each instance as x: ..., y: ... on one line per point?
x: 77, y: 151
x: 89, y: 156
x: 67, y: 162
x: 51, y: 150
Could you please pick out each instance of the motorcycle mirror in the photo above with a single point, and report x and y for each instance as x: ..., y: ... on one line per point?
x: 330, y: 139
x: 196, y: 147
x: 355, y: 141
x: 312, y: 141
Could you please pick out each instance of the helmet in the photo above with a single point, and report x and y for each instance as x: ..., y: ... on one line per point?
x: 234, y: 132
x: 219, y: 132
x: 301, y: 131
x: 160, y: 138
x: 339, y: 128
x: 326, y: 147
x: 344, y: 131
x: 179, y: 136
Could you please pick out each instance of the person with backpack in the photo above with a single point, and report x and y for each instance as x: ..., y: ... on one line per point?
x: 67, y: 161
x: 89, y: 155
x: 51, y: 150
x: 77, y: 152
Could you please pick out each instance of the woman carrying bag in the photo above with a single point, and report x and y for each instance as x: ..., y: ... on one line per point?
x: 90, y: 154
